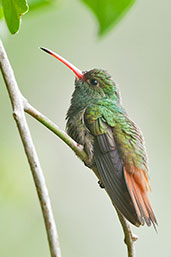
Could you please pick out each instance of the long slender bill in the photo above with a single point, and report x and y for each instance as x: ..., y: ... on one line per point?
x: 77, y: 72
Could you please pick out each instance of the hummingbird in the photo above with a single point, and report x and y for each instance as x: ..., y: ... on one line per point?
x: 113, y: 142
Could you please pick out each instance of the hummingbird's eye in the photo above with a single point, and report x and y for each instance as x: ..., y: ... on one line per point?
x: 94, y: 82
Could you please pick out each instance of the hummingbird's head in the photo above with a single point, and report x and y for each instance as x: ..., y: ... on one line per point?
x: 93, y: 84
x: 100, y: 83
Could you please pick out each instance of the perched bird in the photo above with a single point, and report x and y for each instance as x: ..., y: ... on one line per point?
x: 114, y: 144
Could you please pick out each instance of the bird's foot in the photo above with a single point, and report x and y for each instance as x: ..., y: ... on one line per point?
x: 89, y: 164
x: 101, y: 184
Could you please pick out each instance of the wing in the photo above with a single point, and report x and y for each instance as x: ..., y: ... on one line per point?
x: 124, y: 189
x: 111, y: 171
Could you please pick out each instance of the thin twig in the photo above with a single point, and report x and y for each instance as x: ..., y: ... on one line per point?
x: 19, y: 116
x: 78, y: 149
x: 20, y: 104
x: 129, y: 237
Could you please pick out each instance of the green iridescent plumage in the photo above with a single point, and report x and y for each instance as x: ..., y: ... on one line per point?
x: 102, y: 103
x: 114, y: 144
x: 112, y: 141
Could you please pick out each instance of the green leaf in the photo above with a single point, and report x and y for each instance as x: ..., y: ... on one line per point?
x: 108, y: 12
x: 13, y: 9
x: 34, y: 4
x: 1, y: 13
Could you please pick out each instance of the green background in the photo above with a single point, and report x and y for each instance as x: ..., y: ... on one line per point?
x: 137, y: 55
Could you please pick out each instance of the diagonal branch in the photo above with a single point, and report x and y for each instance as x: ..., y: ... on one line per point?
x: 19, y: 116
x: 78, y: 149
x: 20, y: 104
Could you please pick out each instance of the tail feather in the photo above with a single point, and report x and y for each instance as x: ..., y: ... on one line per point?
x: 138, y: 186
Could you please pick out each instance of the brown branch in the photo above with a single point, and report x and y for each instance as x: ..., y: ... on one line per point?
x: 20, y: 104
x: 129, y: 237
x: 19, y: 116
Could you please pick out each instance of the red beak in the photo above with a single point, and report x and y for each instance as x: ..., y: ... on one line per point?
x: 77, y: 72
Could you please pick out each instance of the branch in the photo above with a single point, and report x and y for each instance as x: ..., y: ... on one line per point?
x: 129, y: 237
x: 23, y: 105
x: 19, y: 116
x: 78, y: 149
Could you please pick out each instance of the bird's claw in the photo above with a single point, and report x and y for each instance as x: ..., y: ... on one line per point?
x: 90, y: 164
x: 101, y: 184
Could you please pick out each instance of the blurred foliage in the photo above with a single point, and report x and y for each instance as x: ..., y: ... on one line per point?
x: 35, y: 4
x: 1, y: 13
x: 107, y: 12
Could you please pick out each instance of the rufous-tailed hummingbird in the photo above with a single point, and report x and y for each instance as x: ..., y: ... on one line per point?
x: 112, y: 141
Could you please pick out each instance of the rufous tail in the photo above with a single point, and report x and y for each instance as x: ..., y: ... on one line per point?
x: 138, y: 186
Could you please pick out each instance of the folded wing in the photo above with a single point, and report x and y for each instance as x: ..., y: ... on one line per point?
x: 127, y: 186
x: 112, y: 175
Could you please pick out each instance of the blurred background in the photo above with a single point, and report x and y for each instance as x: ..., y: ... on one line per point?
x: 137, y: 55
